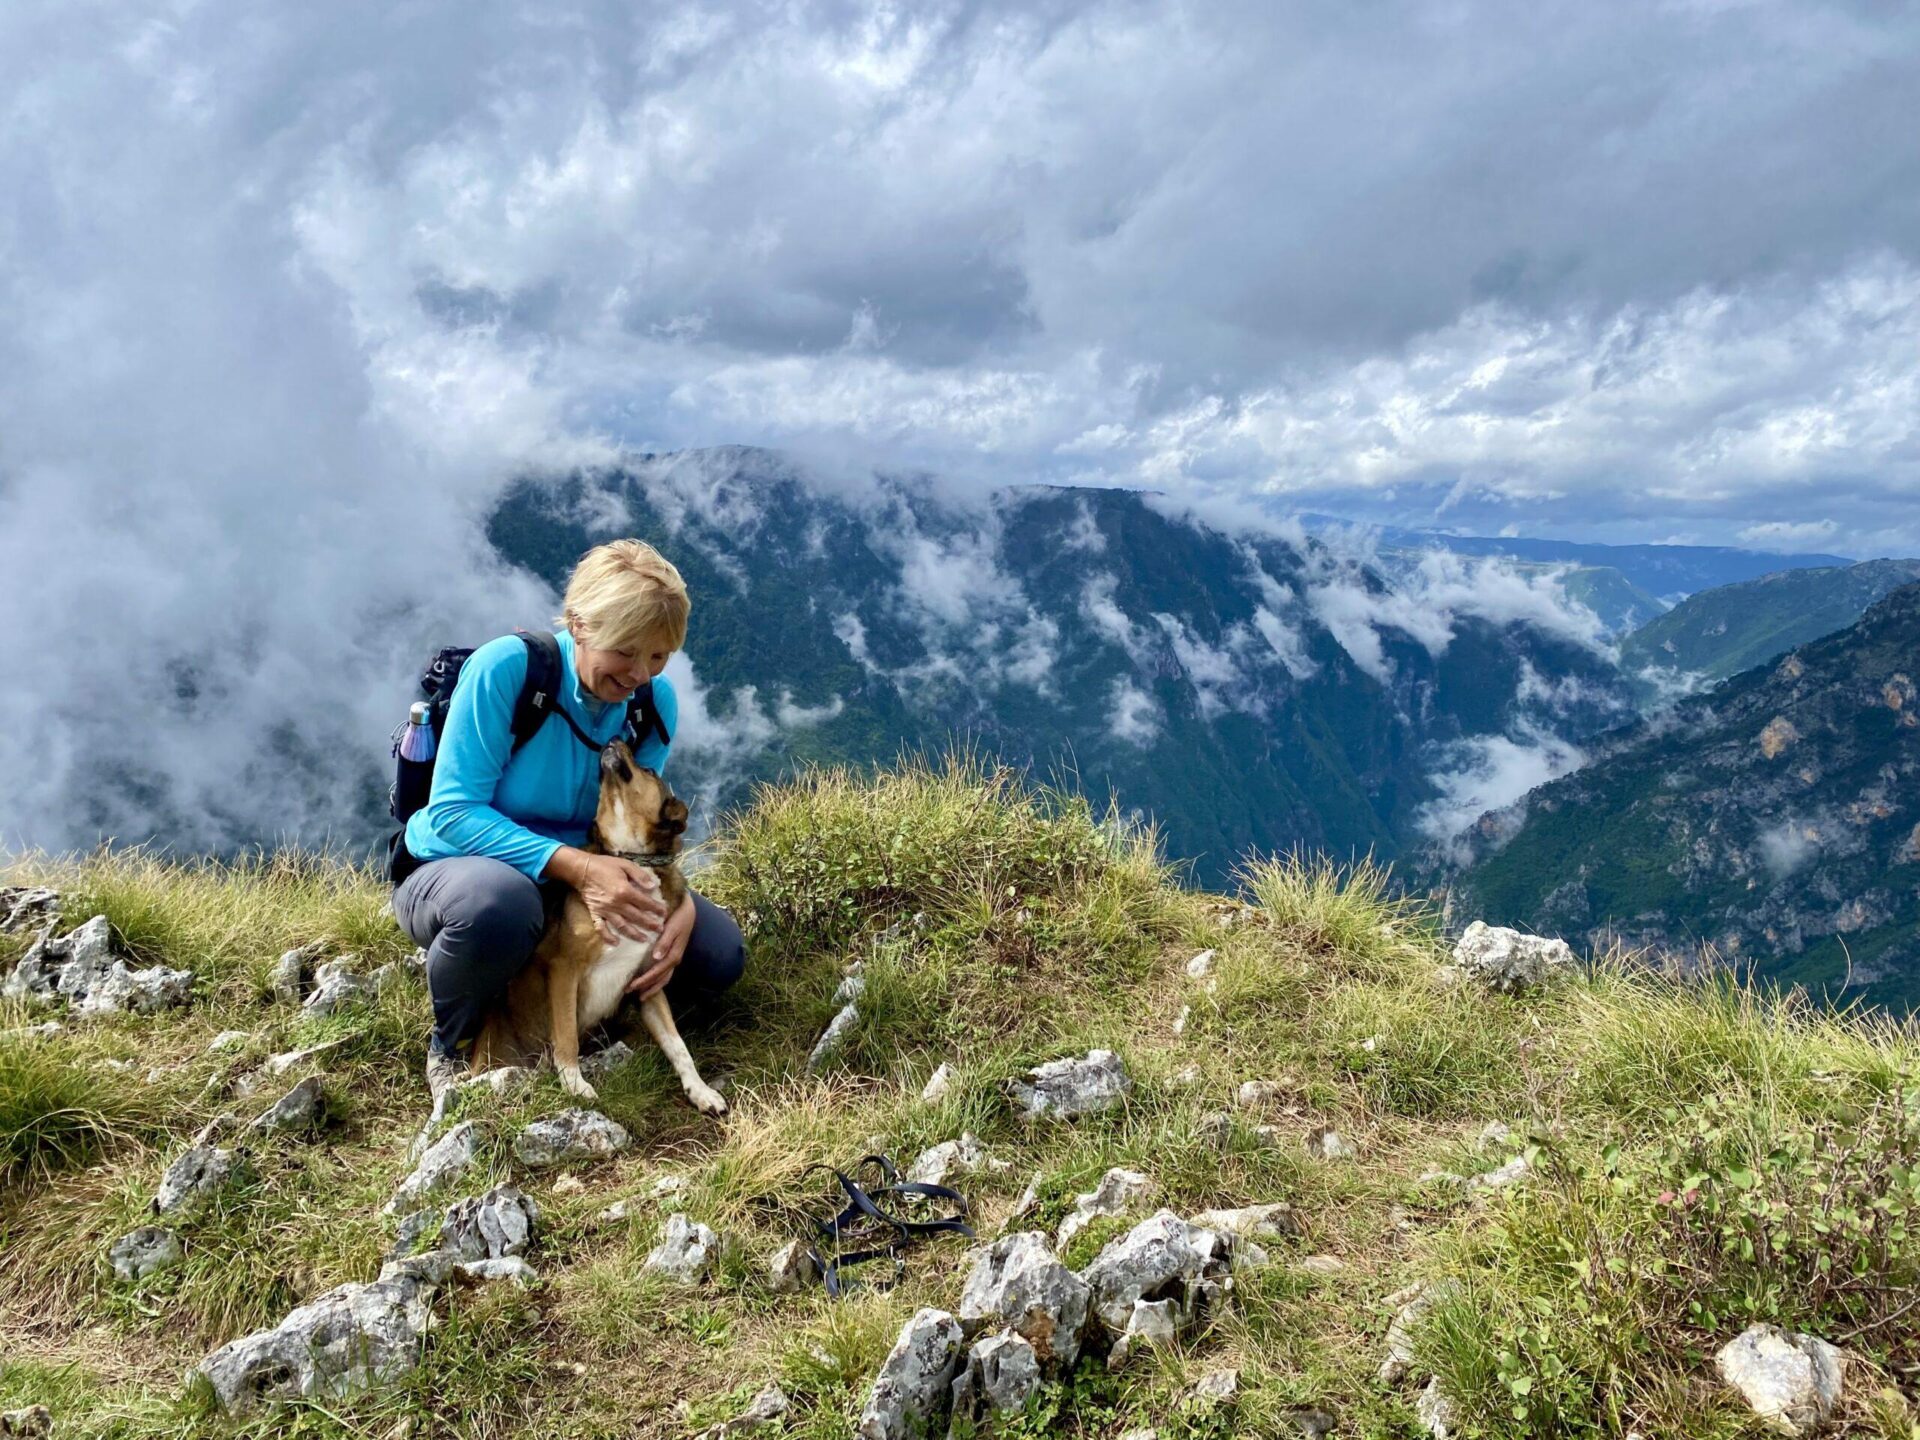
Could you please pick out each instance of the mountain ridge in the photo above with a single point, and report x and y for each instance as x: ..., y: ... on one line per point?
x: 1720, y: 632
x: 1249, y: 694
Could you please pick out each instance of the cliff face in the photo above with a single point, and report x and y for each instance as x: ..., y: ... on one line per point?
x: 1774, y: 820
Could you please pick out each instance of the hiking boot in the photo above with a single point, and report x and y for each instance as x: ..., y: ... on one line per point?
x: 444, y: 1071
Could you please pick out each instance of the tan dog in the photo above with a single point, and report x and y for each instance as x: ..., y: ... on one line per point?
x: 576, y: 979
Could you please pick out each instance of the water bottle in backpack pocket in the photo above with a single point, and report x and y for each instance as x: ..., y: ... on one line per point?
x: 413, y: 749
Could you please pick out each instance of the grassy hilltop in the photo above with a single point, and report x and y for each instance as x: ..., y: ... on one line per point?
x: 1701, y: 1156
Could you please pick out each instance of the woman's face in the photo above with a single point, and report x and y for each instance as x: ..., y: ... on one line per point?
x: 613, y: 675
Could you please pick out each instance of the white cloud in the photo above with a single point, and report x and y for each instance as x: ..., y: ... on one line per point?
x: 1217, y: 682
x: 1100, y: 610
x: 1030, y: 654
x: 1426, y: 599
x: 1136, y: 716
x: 715, y: 738
x: 1788, y: 846
x: 1487, y: 772
x: 1083, y: 534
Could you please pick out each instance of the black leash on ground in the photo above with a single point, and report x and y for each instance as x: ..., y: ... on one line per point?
x: 877, y: 1233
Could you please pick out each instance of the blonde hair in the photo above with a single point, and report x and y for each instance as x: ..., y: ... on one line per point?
x: 624, y: 594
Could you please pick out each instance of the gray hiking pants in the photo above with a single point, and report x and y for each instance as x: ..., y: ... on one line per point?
x: 480, y: 919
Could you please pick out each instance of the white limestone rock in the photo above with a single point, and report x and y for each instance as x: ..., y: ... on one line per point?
x: 915, y: 1381
x: 1066, y: 1089
x: 1163, y: 1257
x: 1259, y: 1094
x: 288, y: 980
x: 942, y: 1163
x: 1153, y: 1322
x: 302, y: 1108
x: 445, y: 1161
x: 1218, y: 1387
x: 493, y: 1226
x: 1017, y: 1281
x: 1326, y: 1143
x: 31, y: 1422
x: 1793, y: 1382
x: 1201, y: 965
x: 505, y: 1267
x: 792, y: 1268
x: 22, y: 907
x: 570, y: 1136
x: 1436, y: 1410
x: 192, y: 1180
x: 1508, y: 962
x: 940, y: 1085
x: 686, y: 1253
x: 603, y: 1062
x: 766, y: 1410
x: 81, y: 970
x: 1414, y: 1302
x: 1000, y: 1374
x: 1118, y: 1192
x: 1251, y: 1224
x: 350, y: 1338
x: 336, y: 987
x: 833, y: 1038
x: 139, y: 992
x: 1515, y: 1170
x: 60, y: 969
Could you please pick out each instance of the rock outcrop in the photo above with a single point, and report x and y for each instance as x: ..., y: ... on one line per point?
x: 1018, y: 1282
x: 916, y: 1379
x: 82, y: 970
x: 569, y: 1137
x: 349, y: 1338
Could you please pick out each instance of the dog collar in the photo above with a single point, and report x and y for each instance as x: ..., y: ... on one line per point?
x: 653, y: 860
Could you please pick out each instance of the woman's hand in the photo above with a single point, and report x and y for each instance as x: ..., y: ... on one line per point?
x: 623, y: 898
x: 667, y: 954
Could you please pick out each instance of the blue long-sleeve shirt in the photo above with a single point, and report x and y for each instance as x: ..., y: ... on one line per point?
x: 486, y: 800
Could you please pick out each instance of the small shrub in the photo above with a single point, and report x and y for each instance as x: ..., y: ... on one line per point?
x: 1812, y: 1226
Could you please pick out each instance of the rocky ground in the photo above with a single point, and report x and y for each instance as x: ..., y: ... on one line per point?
x: 1284, y: 1163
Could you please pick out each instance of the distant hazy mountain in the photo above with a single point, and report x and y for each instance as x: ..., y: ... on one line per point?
x: 1720, y: 632
x: 1775, y: 819
x: 1244, y: 692
x: 1666, y: 571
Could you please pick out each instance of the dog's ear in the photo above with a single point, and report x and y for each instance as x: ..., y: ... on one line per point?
x: 673, y: 815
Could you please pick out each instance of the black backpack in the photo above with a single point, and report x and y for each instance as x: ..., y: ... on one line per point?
x: 413, y: 779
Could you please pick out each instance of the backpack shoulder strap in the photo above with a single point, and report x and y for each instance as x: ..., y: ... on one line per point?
x: 540, y: 695
x: 643, y: 717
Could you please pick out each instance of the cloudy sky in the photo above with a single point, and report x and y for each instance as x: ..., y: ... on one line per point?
x: 288, y: 291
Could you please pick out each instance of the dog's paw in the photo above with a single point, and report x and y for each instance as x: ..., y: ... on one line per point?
x: 707, y: 1100
x: 576, y: 1084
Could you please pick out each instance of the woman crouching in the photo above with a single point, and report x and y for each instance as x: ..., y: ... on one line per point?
x: 490, y: 856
